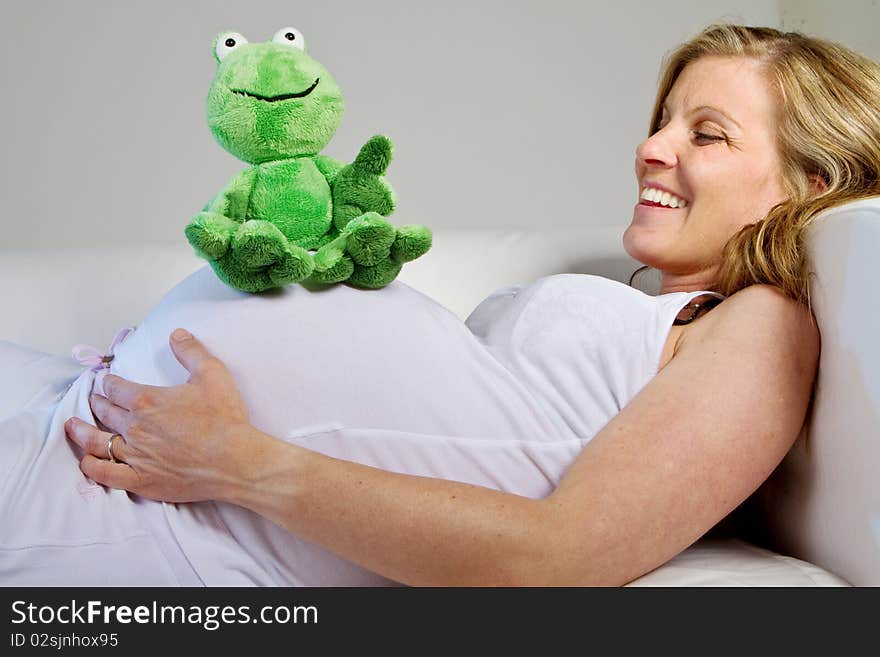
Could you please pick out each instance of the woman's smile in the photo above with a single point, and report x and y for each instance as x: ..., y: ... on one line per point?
x: 654, y: 199
x: 654, y: 193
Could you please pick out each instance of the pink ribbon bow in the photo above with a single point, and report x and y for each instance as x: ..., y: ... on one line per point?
x: 90, y: 357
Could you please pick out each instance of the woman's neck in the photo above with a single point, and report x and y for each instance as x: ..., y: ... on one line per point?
x: 692, y: 282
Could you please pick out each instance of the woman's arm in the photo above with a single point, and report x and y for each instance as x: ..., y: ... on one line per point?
x: 693, y: 444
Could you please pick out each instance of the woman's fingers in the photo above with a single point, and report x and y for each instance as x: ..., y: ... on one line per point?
x: 96, y: 464
x: 122, y: 392
x: 96, y: 442
x: 114, y: 475
x: 125, y: 394
x: 188, y: 350
x: 114, y: 417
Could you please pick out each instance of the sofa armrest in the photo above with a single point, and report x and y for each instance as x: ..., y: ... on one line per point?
x: 822, y: 504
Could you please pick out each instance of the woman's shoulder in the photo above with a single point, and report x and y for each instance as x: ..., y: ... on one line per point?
x: 766, y: 303
x: 765, y: 315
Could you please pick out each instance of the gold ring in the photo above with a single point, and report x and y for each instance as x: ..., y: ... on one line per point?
x: 110, y: 447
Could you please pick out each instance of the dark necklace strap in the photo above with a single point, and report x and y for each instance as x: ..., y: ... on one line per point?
x: 698, y: 306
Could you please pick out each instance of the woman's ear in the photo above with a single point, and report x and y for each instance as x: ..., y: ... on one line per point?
x: 817, y: 183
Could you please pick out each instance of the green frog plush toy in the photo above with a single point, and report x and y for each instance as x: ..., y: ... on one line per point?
x: 294, y: 215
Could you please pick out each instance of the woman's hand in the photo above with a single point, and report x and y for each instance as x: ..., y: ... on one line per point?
x: 179, y: 444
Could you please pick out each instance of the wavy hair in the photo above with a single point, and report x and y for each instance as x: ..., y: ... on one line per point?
x: 828, y: 114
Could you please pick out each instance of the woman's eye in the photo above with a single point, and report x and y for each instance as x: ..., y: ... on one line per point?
x: 702, y: 136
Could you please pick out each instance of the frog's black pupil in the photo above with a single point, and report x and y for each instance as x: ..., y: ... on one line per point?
x: 230, y: 42
x: 290, y: 36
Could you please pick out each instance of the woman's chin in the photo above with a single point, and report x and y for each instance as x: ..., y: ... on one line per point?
x: 644, y: 246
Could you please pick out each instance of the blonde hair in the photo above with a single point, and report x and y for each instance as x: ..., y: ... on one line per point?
x: 828, y: 117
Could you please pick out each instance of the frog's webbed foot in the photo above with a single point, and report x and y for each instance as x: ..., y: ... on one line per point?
x: 257, y: 257
x: 382, y: 264
x: 210, y: 234
x: 332, y: 265
x: 370, y: 238
x: 375, y: 276
x: 411, y: 242
x: 261, y: 248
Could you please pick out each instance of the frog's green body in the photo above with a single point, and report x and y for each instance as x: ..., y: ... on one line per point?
x: 275, y: 107
x: 292, y: 194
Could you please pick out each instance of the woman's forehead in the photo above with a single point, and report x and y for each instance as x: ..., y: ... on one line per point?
x: 735, y: 86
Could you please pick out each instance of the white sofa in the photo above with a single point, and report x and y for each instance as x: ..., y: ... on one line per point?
x: 816, y: 522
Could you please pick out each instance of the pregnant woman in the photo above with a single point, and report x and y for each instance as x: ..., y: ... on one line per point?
x: 572, y: 431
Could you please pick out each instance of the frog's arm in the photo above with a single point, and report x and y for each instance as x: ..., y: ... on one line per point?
x: 328, y: 167
x: 210, y: 231
x: 361, y: 187
x: 234, y: 199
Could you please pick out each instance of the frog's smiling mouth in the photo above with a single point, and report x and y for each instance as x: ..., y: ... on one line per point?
x: 272, y: 99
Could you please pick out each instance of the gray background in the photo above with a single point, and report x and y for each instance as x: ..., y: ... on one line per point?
x: 504, y: 114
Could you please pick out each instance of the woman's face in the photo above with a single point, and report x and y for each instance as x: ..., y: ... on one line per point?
x: 715, y: 149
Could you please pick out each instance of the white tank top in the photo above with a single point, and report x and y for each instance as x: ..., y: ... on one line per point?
x: 392, y: 379
x: 584, y: 345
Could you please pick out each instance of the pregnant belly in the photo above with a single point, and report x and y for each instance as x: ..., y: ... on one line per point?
x: 308, y: 361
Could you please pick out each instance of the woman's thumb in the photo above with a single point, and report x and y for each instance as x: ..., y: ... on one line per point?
x: 188, y: 350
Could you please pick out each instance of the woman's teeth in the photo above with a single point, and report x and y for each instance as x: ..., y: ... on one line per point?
x: 663, y: 198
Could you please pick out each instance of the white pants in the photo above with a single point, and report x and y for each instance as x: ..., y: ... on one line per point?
x: 57, y: 528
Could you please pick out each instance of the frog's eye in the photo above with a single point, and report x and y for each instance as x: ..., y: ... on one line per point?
x: 226, y: 43
x: 290, y: 36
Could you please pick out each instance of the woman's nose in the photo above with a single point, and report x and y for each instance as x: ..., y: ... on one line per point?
x: 657, y: 150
